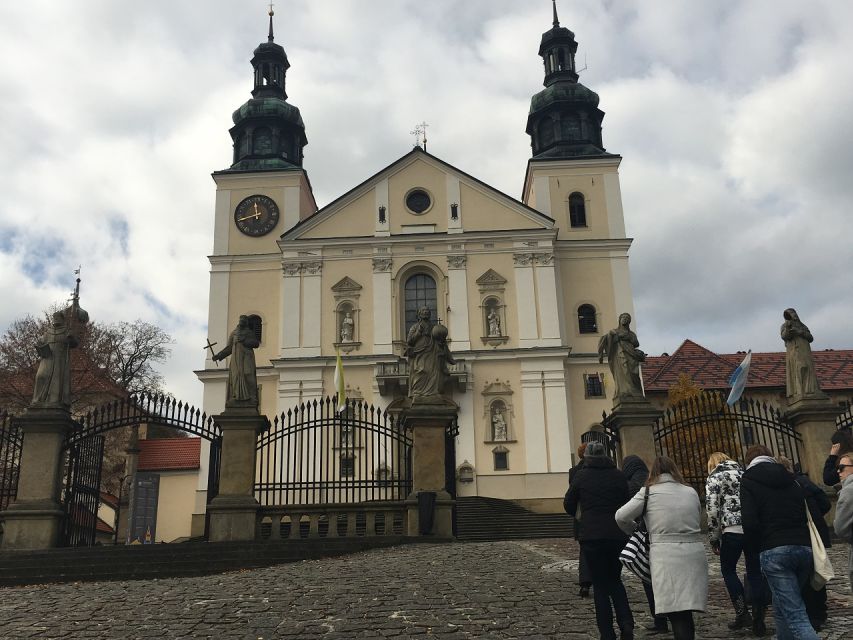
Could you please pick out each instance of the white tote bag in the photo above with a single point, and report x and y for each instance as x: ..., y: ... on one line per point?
x: 823, y: 572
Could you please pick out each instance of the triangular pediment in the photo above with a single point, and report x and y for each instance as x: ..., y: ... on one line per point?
x: 346, y: 285
x: 490, y: 279
x: 456, y: 202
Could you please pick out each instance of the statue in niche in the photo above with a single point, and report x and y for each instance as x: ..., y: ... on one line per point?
x: 347, y: 327
x: 52, y: 386
x: 494, y: 323
x: 800, y: 373
x: 620, y: 345
x: 242, y: 389
x: 429, y: 355
x: 499, y: 430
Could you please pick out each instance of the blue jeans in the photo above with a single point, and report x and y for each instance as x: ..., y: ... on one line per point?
x: 788, y: 569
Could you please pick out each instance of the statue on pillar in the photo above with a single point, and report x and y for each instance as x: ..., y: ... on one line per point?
x: 620, y: 345
x: 52, y: 388
x: 242, y: 389
x: 429, y: 355
x: 801, y: 378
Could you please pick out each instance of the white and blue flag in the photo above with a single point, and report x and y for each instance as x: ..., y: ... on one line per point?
x: 738, y: 379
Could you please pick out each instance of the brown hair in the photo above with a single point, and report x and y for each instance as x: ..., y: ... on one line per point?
x: 845, y: 439
x: 756, y: 450
x: 582, y: 450
x: 664, y: 464
x: 716, y: 458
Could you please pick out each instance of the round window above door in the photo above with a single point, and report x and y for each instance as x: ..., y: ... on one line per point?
x: 418, y: 201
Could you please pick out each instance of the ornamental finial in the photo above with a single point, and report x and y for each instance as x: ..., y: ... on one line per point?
x: 556, y: 19
x: 271, y: 13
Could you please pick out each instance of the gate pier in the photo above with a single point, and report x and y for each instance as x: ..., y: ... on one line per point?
x: 814, y: 421
x: 634, y: 422
x: 35, y: 519
x: 234, y: 512
x: 429, y: 423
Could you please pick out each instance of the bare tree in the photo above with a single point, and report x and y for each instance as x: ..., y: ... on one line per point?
x: 111, y: 362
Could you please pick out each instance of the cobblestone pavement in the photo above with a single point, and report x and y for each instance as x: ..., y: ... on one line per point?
x: 523, y: 589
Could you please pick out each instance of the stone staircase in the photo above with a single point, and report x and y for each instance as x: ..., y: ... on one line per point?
x: 139, y: 562
x: 494, y: 519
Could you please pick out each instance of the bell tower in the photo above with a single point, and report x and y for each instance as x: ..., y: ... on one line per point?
x: 564, y: 120
x: 268, y: 131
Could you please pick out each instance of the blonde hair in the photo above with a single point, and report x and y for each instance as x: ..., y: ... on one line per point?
x: 785, y: 462
x: 716, y: 458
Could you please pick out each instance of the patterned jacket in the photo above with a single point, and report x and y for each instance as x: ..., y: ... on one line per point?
x: 722, y: 498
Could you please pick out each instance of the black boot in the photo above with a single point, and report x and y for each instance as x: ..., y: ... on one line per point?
x: 742, y: 617
x: 758, y: 627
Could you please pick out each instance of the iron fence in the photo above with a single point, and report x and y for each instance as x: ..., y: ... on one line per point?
x: 11, y: 442
x: 319, y: 453
x: 845, y: 418
x: 688, y: 432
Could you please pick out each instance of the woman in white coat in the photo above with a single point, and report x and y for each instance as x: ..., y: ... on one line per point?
x: 677, y: 551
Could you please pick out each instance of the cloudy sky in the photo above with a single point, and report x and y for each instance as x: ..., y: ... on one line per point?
x: 735, y: 121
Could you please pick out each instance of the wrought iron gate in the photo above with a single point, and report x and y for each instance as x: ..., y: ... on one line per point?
x: 845, y: 418
x: 691, y: 430
x: 85, y: 447
x: 11, y: 440
x: 329, y: 471
x: 83, y: 491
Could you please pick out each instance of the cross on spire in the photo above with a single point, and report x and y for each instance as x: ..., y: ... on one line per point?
x: 420, y: 132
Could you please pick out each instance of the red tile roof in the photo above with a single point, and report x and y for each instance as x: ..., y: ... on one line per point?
x: 169, y: 454
x: 712, y: 370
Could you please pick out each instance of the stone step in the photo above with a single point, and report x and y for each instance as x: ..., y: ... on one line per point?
x: 495, y: 519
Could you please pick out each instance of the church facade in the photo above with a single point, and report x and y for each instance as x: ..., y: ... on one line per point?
x: 526, y: 287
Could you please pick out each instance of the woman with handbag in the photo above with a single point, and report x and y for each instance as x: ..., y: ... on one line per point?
x: 722, y: 503
x: 637, y: 474
x: 599, y: 489
x: 677, y: 554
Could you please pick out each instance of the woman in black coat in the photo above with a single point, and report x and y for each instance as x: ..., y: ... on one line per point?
x: 637, y: 473
x: 599, y: 489
x: 584, y: 579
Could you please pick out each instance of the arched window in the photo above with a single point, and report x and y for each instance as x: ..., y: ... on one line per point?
x: 586, y: 319
x: 420, y: 291
x: 257, y: 325
x: 577, y: 210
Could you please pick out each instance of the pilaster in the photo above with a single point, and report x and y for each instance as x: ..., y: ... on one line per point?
x: 382, y: 302
x: 457, y: 283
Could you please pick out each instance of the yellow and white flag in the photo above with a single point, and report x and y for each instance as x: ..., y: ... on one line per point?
x: 339, y: 382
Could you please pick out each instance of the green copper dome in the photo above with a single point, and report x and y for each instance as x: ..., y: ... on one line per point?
x: 269, y: 107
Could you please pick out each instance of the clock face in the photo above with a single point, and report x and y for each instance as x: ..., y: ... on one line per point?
x: 256, y: 215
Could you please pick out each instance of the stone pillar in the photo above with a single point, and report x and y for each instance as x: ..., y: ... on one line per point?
x: 429, y: 422
x: 634, y: 422
x: 233, y: 513
x: 814, y: 421
x: 35, y: 519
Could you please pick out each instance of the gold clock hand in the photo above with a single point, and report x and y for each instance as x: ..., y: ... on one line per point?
x: 251, y: 215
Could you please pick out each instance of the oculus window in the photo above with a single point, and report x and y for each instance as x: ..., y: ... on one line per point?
x: 418, y: 201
